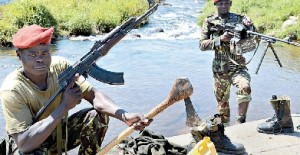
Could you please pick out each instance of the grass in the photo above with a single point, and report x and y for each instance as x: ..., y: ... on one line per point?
x: 267, y: 15
x: 68, y: 17
x: 86, y: 17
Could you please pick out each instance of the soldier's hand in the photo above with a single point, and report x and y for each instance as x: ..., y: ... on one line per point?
x: 226, y: 37
x: 138, y: 121
x: 247, y: 21
x: 72, y: 95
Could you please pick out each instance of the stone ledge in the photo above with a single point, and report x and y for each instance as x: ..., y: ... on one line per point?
x: 255, y: 142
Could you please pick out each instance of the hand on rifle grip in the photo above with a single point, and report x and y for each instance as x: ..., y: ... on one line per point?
x: 72, y: 94
x: 226, y: 37
x: 73, y: 83
x: 247, y: 21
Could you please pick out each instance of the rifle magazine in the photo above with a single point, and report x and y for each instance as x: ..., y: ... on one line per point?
x: 102, y: 75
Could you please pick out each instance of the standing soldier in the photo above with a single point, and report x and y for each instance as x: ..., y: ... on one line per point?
x: 229, y: 67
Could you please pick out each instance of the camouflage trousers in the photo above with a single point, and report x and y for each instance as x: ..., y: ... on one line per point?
x: 86, y: 128
x: 222, y: 83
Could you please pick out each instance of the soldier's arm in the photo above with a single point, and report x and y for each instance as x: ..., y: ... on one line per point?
x: 36, y: 134
x: 206, y: 42
x: 104, y: 104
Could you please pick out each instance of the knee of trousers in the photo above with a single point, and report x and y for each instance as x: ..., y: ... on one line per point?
x: 244, y: 94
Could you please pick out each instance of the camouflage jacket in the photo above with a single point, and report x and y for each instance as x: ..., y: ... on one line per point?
x: 225, y: 60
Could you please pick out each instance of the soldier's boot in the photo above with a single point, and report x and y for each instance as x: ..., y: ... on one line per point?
x: 282, y: 119
x: 214, y: 129
x: 242, y: 112
x: 224, y: 111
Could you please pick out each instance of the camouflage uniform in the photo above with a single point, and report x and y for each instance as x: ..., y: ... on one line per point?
x: 229, y: 67
x: 88, y: 133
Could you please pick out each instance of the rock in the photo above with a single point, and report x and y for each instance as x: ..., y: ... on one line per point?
x: 293, y: 20
x: 136, y: 36
x: 166, y: 4
x: 159, y: 30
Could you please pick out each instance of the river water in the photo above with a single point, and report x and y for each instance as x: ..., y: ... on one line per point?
x: 153, y: 62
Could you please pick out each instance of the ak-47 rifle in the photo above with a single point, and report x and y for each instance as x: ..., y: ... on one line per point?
x: 87, y: 64
x: 240, y: 32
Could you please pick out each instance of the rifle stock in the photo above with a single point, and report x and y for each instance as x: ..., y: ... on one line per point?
x: 87, y: 64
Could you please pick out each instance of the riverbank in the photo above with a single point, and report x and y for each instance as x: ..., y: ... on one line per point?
x: 68, y: 17
x: 277, y: 18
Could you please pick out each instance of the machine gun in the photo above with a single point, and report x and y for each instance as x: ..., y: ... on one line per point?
x: 87, y: 64
x: 240, y: 32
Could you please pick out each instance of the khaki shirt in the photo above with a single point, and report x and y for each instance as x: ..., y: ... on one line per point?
x: 21, y: 99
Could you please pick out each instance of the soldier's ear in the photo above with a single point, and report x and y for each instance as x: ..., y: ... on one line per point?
x: 18, y: 53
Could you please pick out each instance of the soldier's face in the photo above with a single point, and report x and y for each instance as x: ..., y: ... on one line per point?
x: 36, y: 60
x: 223, y: 6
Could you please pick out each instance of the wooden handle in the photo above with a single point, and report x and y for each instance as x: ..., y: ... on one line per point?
x: 182, y: 88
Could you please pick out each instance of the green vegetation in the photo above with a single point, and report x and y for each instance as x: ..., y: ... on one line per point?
x: 85, y: 17
x: 267, y: 15
x: 68, y: 17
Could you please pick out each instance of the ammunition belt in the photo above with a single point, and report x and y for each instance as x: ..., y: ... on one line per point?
x: 227, y: 55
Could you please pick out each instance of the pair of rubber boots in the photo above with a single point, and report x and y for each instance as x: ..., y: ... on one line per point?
x: 282, y: 121
x: 214, y: 128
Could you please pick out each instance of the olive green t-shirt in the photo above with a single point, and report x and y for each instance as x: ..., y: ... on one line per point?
x: 21, y: 99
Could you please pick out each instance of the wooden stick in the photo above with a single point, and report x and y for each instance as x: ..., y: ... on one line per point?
x: 181, y: 89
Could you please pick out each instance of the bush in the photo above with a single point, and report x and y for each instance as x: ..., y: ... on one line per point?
x: 30, y: 13
x: 80, y: 26
x: 69, y: 17
x: 16, y: 15
x: 7, y: 30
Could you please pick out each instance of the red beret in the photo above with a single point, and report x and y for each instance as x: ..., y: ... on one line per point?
x: 32, y: 35
x: 215, y: 1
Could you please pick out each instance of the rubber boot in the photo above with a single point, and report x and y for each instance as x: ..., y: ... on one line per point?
x: 282, y: 121
x: 242, y: 112
x: 214, y: 129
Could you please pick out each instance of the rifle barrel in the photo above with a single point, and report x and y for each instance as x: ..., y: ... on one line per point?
x: 273, y: 38
x: 140, y: 18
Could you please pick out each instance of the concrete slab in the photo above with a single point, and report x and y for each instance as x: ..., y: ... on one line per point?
x: 256, y: 143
